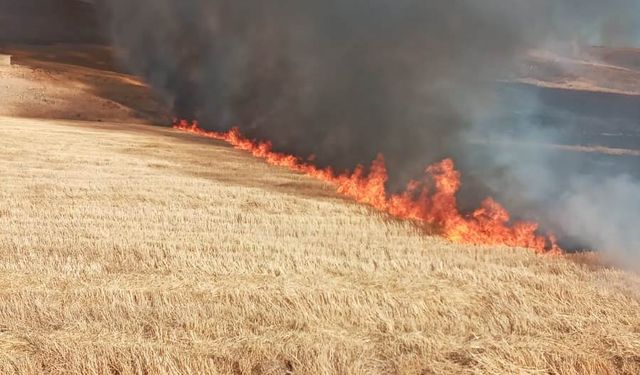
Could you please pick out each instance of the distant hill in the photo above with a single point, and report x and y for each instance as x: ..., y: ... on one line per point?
x: 49, y: 21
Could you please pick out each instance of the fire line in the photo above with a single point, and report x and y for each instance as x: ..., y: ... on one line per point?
x: 432, y: 202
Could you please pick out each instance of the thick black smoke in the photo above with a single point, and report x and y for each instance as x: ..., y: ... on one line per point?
x: 346, y: 79
x: 342, y: 79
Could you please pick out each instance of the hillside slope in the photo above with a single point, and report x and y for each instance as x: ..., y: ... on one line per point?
x: 72, y: 81
x: 132, y: 249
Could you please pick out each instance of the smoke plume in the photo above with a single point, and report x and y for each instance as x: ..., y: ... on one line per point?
x: 48, y: 21
x: 416, y: 80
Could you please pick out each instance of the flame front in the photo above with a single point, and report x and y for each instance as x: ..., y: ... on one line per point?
x: 431, y: 202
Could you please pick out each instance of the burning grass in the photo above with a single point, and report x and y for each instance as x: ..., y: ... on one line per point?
x: 129, y: 249
x: 433, y: 207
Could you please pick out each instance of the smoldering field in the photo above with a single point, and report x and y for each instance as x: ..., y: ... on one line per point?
x: 415, y: 80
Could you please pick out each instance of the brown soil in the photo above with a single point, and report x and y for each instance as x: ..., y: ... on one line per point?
x: 74, y: 82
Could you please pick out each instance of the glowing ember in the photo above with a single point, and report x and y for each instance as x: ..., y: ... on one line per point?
x: 431, y: 202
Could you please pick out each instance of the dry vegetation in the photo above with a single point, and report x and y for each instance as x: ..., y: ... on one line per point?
x: 138, y: 250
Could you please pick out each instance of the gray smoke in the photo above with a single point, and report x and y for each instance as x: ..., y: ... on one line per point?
x: 48, y: 21
x: 591, y: 200
x: 340, y: 79
x: 413, y: 79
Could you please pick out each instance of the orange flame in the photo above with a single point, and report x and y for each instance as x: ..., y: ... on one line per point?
x: 488, y: 225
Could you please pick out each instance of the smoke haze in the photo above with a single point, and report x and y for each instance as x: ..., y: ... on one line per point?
x: 413, y: 79
x: 49, y: 21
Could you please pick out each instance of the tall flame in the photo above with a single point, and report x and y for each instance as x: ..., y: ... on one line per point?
x: 431, y: 202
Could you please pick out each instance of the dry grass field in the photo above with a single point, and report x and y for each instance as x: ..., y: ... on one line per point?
x: 127, y: 249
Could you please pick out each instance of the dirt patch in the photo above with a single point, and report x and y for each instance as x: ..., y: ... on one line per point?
x: 71, y: 81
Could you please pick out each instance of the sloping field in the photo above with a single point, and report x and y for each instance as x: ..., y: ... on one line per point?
x: 127, y: 249
x: 77, y: 82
